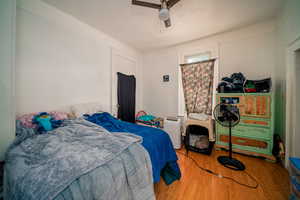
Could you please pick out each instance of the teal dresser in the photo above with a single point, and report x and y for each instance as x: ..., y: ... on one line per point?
x: 254, y: 134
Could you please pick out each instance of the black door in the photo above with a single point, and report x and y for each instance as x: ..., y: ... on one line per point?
x: 126, y: 97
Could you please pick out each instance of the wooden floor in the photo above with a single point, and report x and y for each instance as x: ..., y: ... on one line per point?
x: 197, y: 184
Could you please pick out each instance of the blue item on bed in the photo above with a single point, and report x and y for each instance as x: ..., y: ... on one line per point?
x: 45, y: 122
x: 155, y: 141
x: 146, y: 118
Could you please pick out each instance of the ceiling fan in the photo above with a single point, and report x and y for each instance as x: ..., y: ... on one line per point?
x: 164, y: 9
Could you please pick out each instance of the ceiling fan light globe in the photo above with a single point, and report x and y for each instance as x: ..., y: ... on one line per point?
x: 164, y: 14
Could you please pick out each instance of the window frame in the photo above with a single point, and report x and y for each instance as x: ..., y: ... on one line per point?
x: 195, y: 55
x: 214, y: 53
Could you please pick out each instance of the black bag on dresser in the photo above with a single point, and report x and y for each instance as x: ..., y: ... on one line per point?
x: 232, y: 84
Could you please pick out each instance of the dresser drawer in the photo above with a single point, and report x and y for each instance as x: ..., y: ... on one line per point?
x: 246, y: 131
x: 252, y: 132
x: 255, y: 123
x: 245, y: 141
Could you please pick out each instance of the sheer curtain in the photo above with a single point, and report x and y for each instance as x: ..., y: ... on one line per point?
x: 197, y: 83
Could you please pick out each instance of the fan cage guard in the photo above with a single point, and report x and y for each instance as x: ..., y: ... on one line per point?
x: 230, y: 107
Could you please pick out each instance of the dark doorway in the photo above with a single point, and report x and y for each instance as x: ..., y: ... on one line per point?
x: 126, y: 97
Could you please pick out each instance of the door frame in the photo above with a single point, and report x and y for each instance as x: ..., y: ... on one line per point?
x: 114, y: 78
x: 291, y: 115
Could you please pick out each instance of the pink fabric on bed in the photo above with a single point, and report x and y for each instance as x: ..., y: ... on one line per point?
x: 26, y: 120
x: 59, y: 115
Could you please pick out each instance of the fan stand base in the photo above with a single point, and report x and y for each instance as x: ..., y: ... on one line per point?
x: 231, y: 163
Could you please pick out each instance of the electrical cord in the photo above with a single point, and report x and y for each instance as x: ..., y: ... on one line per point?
x: 221, y: 176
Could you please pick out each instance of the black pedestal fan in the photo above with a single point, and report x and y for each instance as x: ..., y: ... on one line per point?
x: 228, y: 115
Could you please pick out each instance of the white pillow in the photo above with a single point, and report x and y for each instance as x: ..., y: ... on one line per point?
x: 86, y: 108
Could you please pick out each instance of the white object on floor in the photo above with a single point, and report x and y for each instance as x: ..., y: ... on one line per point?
x: 198, y: 116
x: 173, y: 129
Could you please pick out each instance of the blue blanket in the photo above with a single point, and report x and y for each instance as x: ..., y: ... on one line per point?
x: 155, y: 141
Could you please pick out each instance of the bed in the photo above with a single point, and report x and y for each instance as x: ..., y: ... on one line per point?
x: 155, y: 141
x: 79, y: 160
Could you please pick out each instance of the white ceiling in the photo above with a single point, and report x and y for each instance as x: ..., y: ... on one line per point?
x: 191, y: 19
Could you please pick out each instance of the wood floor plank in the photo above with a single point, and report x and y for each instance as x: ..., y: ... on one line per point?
x: 196, y: 184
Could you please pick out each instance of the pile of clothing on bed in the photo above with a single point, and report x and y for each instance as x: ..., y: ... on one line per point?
x: 94, y: 156
x: 155, y: 141
x: 142, y: 118
x: 77, y: 160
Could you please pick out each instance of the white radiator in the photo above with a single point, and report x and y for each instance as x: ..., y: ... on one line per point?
x: 173, y: 129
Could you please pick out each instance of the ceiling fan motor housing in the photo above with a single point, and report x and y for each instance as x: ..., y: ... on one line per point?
x: 164, y: 8
x: 164, y: 13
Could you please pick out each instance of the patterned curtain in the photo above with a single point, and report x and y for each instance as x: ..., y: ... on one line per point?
x: 197, y: 81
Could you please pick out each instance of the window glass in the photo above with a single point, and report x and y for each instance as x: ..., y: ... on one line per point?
x: 197, y: 57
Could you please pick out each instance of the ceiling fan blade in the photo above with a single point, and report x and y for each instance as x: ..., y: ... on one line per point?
x: 146, y: 4
x: 168, y: 23
x: 171, y: 3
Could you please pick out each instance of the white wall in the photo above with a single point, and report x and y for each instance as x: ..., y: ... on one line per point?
x: 288, y: 38
x: 61, y: 61
x: 251, y: 50
x: 289, y: 22
x: 296, y: 138
x: 7, y: 67
x: 160, y: 98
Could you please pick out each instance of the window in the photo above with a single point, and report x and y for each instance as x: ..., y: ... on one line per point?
x: 190, y: 58
x: 197, y: 57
